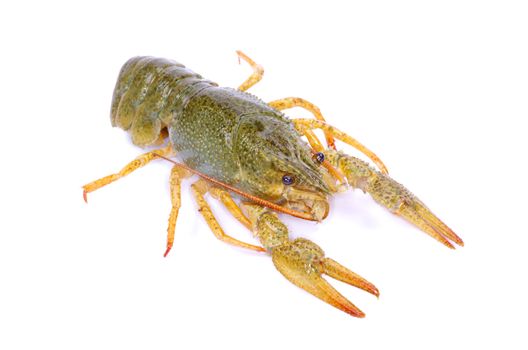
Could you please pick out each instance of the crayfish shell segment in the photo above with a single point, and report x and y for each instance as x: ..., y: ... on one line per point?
x: 146, y: 95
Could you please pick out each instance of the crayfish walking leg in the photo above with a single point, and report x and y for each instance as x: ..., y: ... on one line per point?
x: 199, y: 189
x: 137, y: 163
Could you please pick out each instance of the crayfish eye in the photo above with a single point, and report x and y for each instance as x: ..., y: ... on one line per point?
x: 319, y: 157
x: 288, y: 180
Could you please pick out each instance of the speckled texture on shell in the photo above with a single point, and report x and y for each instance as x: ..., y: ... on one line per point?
x: 225, y: 133
x: 148, y: 92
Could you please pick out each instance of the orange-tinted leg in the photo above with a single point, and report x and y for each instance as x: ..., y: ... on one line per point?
x: 254, y: 78
x: 137, y: 163
x: 200, y: 188
x: 226, y: 199
x: 177, y: 174
x: 309, y: 124
x: 291, y: 102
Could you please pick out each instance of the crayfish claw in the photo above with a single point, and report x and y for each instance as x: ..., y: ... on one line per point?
x: 393, y: 196
x: 401, y: 201
x: 417, y: 213
x: 303, y: 262
x: 337, y: 271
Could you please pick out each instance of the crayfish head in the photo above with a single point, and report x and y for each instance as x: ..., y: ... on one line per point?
x: 277, y: 165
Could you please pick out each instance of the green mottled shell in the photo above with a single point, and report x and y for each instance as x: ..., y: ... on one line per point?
x: 222, y: 132
x: 207, y: 132
x: 147, y: 95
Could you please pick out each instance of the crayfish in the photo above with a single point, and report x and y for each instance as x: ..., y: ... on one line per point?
x: 257, y: 162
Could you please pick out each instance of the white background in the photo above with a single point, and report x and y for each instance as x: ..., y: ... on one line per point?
x: 437, y: 89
